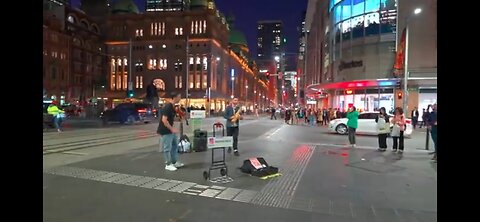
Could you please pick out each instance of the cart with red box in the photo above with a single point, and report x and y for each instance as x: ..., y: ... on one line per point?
x: 215, y: 143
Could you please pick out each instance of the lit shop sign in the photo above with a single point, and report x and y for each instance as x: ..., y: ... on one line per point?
x: 348, y: 65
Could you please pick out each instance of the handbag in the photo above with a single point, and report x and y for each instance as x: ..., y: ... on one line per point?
x: 381, y: 124
x: 395, y: 131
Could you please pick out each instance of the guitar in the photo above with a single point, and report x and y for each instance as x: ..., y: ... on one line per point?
x: 181, y: 114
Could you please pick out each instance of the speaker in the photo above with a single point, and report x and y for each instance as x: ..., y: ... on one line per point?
x: 199, y: 140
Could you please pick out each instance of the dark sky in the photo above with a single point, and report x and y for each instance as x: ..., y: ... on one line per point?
x: 248, y: 12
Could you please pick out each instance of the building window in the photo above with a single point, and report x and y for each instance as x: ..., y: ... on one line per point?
x: 139, y: 66
x: 197, y: 81
x: 191, y: 64
x: 176, y: 82
x: 180, y: 82
x: 204, y: 26
x: 159, y: 83
x: 139, y: 33
x: 178, y: 65
x: 260, y: 27
x: 152, y: 64
x: 205, y: 64
x: 204, y: 81
x: 139, y: 82
x: 199, y: 64
x: 190, y: 80
x: 157, y: 28
x: 163, y: 64
x: 179, y: 31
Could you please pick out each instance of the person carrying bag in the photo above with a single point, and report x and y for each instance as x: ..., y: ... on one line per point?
x: 383, y: 129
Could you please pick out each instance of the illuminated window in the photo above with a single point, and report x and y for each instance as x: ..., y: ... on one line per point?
x: 163, y: 64
x: 196, y: 27
x: 125, y: 80
x: 125, y: 62
x: 152, y: 64
x: 180, y: 82
x: 137, y: 82
x: 138, y: 32
x: 159, y: 83
x: 204, y: 81
x: 176, y: 82
x: 191, y: 27
x: 204, y: 26
x: 205, y: 64
x: 197, y: 81
x: 190, y: 80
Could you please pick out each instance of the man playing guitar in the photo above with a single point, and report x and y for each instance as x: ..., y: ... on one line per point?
x: 233, y: 117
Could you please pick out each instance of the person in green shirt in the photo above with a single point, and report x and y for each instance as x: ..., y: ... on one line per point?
x: 352, y: 124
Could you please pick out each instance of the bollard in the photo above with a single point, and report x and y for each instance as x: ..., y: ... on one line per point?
x: 427, y: 138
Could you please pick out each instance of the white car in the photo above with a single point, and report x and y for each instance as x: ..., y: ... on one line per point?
x: 366, y: 125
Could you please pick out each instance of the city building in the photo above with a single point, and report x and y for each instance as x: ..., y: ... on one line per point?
x: 73, y: 63
x: 164, y: 47
x: 355, y: 55
x: 271, y: 55
x: 166, y: 5
x: 300, y: 80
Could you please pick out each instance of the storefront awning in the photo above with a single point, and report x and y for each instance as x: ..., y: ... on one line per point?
x: 356, y: 84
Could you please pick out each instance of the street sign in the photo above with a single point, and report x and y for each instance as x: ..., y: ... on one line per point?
x: 197, y: 114
x: 218, y: 142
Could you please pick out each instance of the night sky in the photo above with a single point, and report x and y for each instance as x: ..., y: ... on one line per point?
x: 248, y: 12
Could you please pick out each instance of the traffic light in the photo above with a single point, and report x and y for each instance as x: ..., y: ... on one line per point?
x: 267, y: 74
x: 129, y: 93
x: 399, y: 95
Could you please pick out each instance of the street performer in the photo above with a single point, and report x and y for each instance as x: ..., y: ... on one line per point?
x: 233, y: 117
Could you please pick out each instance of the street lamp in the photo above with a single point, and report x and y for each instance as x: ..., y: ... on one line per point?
x: 405, y: 74
x: 277, y: 58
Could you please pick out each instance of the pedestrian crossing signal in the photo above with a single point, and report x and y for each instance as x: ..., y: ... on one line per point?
x: 399, y: 95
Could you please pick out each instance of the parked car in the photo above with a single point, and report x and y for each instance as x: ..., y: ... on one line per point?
x: 366, y: 125
x: 129, y: 113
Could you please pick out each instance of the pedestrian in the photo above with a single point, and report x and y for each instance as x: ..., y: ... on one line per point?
x: 415, y: 115
x: 398, y: 122
x: 432, y: 125
x: 383, y: 128
x: 168, y: 133
x: 152, y: 96
x: 233, y: 117
x: 273, y: 113
x: 57, y: 114
x: 352, y: 124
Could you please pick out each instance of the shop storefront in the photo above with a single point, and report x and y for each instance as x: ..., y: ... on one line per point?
x: 364, y: 99
x: 365, y: 95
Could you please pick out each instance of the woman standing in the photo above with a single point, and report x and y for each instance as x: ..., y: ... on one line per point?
x: 383, y: 127
x: 398, y: 122
x: 352, y: 124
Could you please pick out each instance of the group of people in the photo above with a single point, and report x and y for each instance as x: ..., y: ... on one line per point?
x: 168, y: 133
x: 310, y: 116
x: 383, y: 122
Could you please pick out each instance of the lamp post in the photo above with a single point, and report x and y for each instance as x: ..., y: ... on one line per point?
x: 406, y: 73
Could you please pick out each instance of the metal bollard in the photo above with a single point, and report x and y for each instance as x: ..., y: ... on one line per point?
x: 427, y: 139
